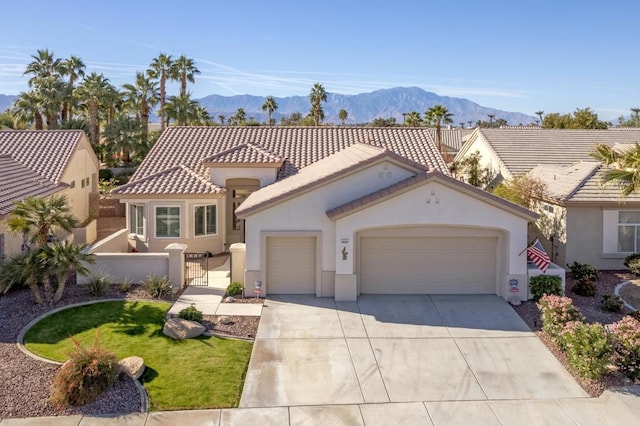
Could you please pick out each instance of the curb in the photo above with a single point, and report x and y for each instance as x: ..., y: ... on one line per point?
x: 616, y: 292
x: 144, y: 399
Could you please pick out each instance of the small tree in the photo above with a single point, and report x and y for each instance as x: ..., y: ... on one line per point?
x: 343, y: 115
x: 523, y: 190
x: 471, y: 170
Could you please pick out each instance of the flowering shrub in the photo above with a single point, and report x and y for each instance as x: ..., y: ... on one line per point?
x: 587, y: 348
x: 556, y: 311
x: 88, y: 372
x: 625, y: 335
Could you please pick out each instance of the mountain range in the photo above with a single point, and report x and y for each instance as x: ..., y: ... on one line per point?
x: 361, y: 108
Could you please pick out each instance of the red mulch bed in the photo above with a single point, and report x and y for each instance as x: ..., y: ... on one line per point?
x: 590, y: 309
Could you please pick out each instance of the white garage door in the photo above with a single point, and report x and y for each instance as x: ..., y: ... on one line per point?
x: 428, y: 265
x: 291, y: 265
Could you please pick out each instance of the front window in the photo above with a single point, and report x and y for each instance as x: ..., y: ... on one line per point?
x: 628, y: 231
x: 136, y: 219
x: 168, y: 222
x: 206, y: 220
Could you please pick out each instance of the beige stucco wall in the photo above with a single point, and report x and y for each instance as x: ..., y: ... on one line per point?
x: 12, y: 242
x: 149, y: 242
x: 82, y: 165
x: 266, y: 175
x: 487, y: 155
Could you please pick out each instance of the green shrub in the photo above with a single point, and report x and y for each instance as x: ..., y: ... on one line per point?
x: 88, y: 372
x: 98, y: 284
x: 157, y: 287
x: 625, y: 336
x: 105, y: 174
x: 587, y: 347
x: 585, y: 288
x: 633, y: 263
x: 545, y: 284
x: 635, y: 315
x: 611, y: 303
x: 191, y: 314
x: 583, y: 272
x: 556, y: 312
x: 234, y: 289
x: 125, y: 285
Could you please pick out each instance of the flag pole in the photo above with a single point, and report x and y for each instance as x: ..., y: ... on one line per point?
x: 525, y: 249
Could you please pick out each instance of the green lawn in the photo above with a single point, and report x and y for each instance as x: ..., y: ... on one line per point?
x: 207, y: 372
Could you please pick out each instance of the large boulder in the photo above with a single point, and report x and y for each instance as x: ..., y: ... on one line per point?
x: 180, y: 329
x: 132, y: 366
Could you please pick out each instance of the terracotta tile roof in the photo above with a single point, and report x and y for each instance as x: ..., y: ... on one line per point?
x: 18, y: 183
x: 178, y: 180
x: 418, y: 180
x: 452, y: 138
x: 563, y: 181
x: 45, y: 152
x: 319, y: 173
x: 521, y: 150
x: 298, y: 146
x: 246, y: 153
x: 32, y: 163
x: 594, y: 191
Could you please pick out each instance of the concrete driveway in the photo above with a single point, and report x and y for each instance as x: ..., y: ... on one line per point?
x: 401, y: 349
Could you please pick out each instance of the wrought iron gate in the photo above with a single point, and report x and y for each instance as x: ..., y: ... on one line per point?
x: 196, y: 266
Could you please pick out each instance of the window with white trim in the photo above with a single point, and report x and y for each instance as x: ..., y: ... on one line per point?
x: 205, y: 220
x: 628, y: 231
x: 136, y: 219
x: 168, y: 222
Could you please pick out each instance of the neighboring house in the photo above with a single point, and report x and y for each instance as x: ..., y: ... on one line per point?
x: 41, y: 163
x: 452, y: 140
x: 330, y: 211
x: 590, y: 223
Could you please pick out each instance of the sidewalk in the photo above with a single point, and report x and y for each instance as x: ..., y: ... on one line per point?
x: 208, y: 299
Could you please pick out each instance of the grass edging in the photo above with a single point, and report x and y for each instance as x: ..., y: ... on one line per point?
x: 144, y: 398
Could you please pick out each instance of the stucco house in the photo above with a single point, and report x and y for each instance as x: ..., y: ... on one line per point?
x: 41, y: 163
x: 588, y: 222
x: 330, y: 211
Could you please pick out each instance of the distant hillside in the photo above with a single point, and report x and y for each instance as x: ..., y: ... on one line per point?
x: 363, y: 107
x: 6, y: 101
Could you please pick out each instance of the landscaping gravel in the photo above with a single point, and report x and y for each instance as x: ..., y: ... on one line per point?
x: 590, y: 309
x: 26, y: 381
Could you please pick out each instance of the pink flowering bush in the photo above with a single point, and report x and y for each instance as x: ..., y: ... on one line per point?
x: 587, y: 347
x: 556, y: 312
x: 625, y: 335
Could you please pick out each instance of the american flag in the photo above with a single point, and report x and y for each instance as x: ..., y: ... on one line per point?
x: 538, y: 256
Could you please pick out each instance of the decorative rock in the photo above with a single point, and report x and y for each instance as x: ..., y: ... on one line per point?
x: 132, y: 366
x: 229, y: 300
x: 180, y: 329
x: 224, y: 320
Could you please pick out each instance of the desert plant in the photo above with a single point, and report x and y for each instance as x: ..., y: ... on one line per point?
x: 191, y: 313
x: 157, y: 287
x: 88, y: 372
x: 611, y: 303
x: 587, y: 347
x: 125, y: 285
x: 98, y: 284
x: 583, y: 272
x: 625, y: 336
x: 556, y: 312
x: 633, y: 263
x: 545, y: 284
x: 585, y: 287
x: 234, y: 289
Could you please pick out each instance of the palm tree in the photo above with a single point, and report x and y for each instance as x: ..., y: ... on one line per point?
x: 62, y: 260
x: 636, y: 117
x: 182, y: 109
x: 161, y: 69
x: 317, y: 96
x: 624, y: 167
x: 122, y: 134
x: 200, y: 116
x: 491, y: 117
x: 26, y: 109
x: 239, y: 117
x: 221, y: 118
x: 141, y: 96
x: 413, y: 119
x: 72, y: 68
x: 470, y: 123
x: 539, y: 114
x: 439, y: 115
x: 24, y: 268
x: 44, y: 65
x: 270, y: 105
x: 343, y: 115
x: 184, y: 69
x: 52, y: 93
x: 91, y: 90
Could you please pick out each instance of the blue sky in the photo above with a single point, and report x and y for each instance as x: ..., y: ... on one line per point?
x: 518, y: 56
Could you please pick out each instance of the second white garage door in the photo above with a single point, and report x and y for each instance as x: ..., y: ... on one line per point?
x: 428, y: 265
x: 291, y: 265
